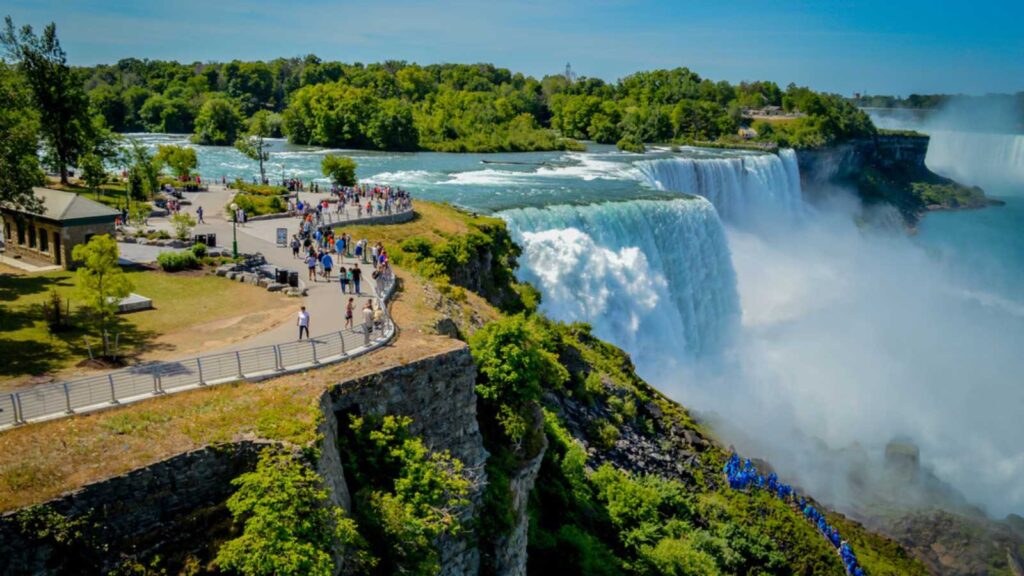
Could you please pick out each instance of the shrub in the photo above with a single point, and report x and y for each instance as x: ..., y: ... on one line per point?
x: 406, y: 496
x: 259, y: 189
x: 177, y: 261
x: 183, y: 225
x: 288, y: 525
x: 199, y: 249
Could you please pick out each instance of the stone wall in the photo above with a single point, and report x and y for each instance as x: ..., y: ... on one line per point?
x: 438, y: 394
x: 161, y: 509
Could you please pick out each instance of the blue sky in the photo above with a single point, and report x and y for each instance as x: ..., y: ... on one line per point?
x: 881, y: 47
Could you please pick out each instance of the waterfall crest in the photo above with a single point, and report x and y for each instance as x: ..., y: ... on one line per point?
x: 993, y: 161
x: 746, y: 190
x: 655, y: 277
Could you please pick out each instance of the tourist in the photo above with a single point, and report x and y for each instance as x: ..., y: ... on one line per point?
x: 311, y: 261
x: 348, y: 313
x: 357, y: 275
x: 368, y: 317
x: 295, y: 246
x: 199, y: 215
x: 378, y: 318
x: 343, y: 279
x: 327, y: 264
x: 303, y: 322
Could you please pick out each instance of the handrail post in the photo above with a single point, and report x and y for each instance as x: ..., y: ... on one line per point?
x: 19, y: 415
x: 313, y: 344
x: 113, y: 391
x: 158, y: 387
x: 238, y: 360
x: 342, y: 336
x: 366, y: 334
x: 67, y: 400
x: 278, y: 362
x: 199, y: 368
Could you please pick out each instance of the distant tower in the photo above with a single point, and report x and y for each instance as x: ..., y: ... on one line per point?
x: 570, y: 76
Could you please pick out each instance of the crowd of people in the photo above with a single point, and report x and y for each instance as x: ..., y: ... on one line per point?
x: 320, y: 247
x: 367, y: 197
x: 742, y: 475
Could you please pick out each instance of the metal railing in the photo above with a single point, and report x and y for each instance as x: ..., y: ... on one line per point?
x: 147, y: 380
x: 330, y: 216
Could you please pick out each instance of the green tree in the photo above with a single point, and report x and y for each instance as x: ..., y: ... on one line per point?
x: 289, y: 527
x: 253, y: 144
x: 19, y: 124
x: 57, y: 91
x: 93, y: 172
x: 180, y: 159
x: 101, y: 282
x: 218, y: 122
x: 143, y: 170
x: 340, y: 169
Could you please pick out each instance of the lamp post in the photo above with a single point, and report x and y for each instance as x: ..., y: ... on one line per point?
x: 234, y: 229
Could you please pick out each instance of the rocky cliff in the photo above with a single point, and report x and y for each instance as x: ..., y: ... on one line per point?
x: 886, y: 169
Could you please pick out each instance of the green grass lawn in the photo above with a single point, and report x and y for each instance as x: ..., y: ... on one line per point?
x: 181, y: 301
x: 112, y: 193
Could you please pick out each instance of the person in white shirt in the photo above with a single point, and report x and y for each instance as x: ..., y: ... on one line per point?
x: 368, y: 317
x: 303, y: 322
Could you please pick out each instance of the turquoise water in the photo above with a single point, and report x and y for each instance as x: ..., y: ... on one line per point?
x: 984, y: 249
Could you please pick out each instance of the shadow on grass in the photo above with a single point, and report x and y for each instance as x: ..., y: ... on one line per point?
x: 51, y: 352
x: 13, y: 286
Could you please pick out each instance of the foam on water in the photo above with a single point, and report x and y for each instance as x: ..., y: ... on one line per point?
x: 655, y: 277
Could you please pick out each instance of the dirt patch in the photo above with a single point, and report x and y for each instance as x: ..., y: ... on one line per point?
x: 102, y: 363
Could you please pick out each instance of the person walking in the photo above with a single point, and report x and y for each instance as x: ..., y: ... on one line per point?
x: 348, y: 312
x: 357, y: 275
x: 368, y: 317
x: 327, y: 264
x: 199, y: 215
x: 311, y: 264
x: 295, y: 246
x: 343, y: 279
x: 303, y: 322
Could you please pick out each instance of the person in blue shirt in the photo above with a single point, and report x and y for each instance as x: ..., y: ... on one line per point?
x: 327, y: 264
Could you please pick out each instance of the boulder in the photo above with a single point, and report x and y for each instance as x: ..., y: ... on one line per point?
x: 275, y: 287
x: 264, y: 282
x: 142, y: 241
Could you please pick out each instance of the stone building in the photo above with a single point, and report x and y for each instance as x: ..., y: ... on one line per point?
x: 48, y: 236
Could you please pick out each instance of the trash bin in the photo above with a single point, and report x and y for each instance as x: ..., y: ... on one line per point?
x: 201, y: 239
x: 293, y: 279
x: 282, y: 276
x: 211, y: 240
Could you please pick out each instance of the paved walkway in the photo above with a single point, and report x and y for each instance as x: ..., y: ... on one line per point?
x: 324, y: 302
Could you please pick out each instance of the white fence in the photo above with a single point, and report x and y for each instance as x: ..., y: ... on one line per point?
x: 143, y: 381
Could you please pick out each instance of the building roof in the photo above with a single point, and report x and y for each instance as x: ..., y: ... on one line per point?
x: 64, y: 206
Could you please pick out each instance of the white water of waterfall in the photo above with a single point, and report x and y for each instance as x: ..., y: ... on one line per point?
x: 993, y: 161
x: 655, y: 277
x: 747, y: 191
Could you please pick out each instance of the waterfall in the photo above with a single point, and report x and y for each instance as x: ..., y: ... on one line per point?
x: 993, y: 161
x: 654, y: 277
x: 746, y: 190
